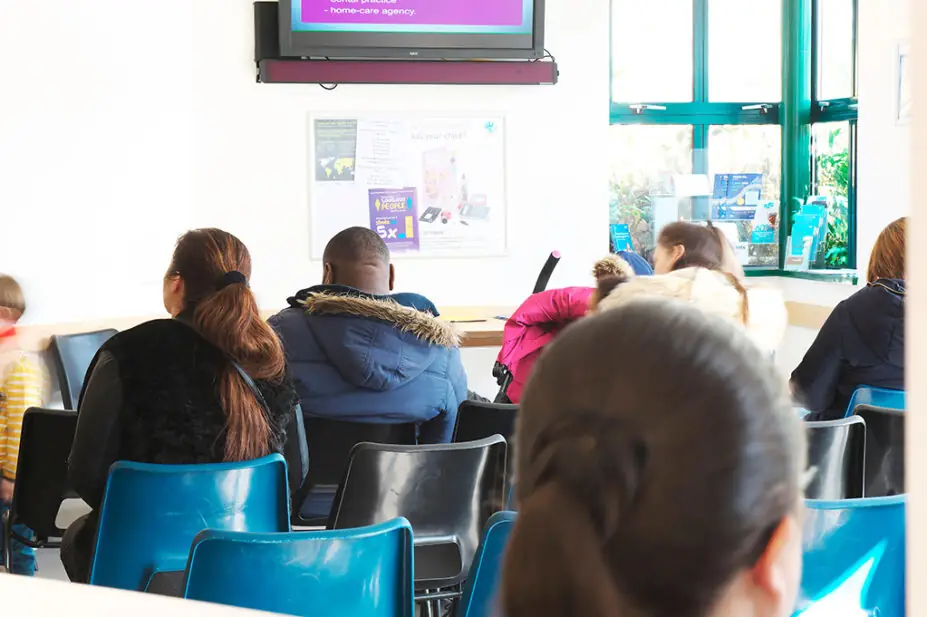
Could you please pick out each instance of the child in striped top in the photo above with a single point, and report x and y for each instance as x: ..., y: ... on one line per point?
x: 21, y: 387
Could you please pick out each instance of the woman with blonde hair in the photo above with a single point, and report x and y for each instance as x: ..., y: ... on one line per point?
x: 862, y: 342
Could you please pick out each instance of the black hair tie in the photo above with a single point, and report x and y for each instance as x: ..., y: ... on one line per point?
x: 233, y: 277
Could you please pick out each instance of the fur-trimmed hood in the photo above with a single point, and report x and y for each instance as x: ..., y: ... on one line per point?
x: 404, y: 318
x: 339, y: 339
x: 714, y: 293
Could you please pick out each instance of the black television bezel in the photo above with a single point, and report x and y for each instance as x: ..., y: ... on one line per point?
x: 318, y: 45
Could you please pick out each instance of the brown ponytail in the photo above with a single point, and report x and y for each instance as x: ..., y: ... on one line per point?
x: 225, y: 313
x: 552, y: 573
x: 729, y: 262
x: 745, y: 305
x: 586, y: 473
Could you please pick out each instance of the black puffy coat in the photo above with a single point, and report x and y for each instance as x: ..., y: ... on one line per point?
x: 860, y: 344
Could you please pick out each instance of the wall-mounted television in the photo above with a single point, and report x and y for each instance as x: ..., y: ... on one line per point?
x: 453, y: 29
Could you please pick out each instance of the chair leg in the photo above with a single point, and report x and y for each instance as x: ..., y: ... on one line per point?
x: 7, y: 542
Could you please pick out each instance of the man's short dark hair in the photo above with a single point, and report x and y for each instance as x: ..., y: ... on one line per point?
x: 356, y: 245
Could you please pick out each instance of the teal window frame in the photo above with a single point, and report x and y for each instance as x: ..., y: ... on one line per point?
x: 798, y: 110
x: 845, y: 109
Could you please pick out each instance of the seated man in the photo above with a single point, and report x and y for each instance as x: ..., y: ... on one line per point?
x: 361, y: 354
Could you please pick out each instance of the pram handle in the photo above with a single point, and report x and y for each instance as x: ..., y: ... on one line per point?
x: 546, y: 272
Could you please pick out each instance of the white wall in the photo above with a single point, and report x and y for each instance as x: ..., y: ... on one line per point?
x: 884, y: 163
x: 141, y: 120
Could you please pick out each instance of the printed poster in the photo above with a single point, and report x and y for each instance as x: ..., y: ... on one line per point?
x: 764, y: 223
x: 440, y: 182
x: 335, y: 150
x: 736, y: 196
x: 394, y: 217
x: 621, y: 237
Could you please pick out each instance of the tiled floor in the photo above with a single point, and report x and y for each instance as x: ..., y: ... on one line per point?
x: 49, y: 564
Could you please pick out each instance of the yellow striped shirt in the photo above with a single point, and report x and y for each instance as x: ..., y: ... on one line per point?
x: 21, y: 390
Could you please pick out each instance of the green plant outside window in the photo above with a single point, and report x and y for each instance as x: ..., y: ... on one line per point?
x: 667, y: 153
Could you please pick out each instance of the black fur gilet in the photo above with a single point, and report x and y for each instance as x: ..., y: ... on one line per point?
x: 171, y: 414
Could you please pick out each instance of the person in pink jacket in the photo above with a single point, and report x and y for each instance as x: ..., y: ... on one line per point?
x: 540, y: 319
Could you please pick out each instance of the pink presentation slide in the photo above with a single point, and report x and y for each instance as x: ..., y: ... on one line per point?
x: 414, y: 12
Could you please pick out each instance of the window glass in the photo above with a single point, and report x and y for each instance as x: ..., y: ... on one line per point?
x: 832, y: 173
x: 651, y: 51
x: 745, y: 166
x: 745, y: 50
x: 647, y: 164
x: 835, y: 49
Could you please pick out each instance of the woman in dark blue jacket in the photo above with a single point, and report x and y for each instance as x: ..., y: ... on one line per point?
x: 862, y: 342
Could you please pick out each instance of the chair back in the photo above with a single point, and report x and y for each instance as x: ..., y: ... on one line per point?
x: 152, y: 513
x: 884, y: 450
x: 72, y: 354
x: 481, y: 590
x: 837, y: 451
x: 854, y: 557
x: 365, y: 571
x: 330, y: 444
x: 447, y: 492
x: 476, y: 420
x: 42, y: 470
x: 877, y: 397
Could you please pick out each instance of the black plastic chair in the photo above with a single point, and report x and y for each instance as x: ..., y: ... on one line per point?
x: 447, y: 492
x: 884, y: 450
x: 837, y: 449
x: 330, y: 443
x: 476, y: 420
x: 41, y: 478
x: 72, y: 354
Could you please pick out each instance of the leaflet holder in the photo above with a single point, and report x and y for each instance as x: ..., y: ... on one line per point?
x: 272, y: 68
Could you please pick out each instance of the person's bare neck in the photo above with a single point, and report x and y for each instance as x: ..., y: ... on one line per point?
x: 368, y: 278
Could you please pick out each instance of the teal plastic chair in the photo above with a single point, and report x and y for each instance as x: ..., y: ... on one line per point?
x: 152, y: 513
x: 876, y: 397
x: 481, y: 590
x: 363, y: 572
x: 854, y: 558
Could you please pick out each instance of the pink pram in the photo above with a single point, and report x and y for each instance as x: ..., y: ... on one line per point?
x: 534, y: 325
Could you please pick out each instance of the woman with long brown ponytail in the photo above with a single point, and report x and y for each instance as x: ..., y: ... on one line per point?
x: 209, y: 385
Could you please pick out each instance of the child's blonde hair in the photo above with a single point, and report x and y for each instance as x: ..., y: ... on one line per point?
x: 11, y: 294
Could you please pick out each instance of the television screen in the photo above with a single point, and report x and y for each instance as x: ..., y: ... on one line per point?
x: 412, y: 28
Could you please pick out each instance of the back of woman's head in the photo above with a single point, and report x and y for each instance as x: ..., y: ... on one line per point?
x: 215, y: 266
x: 702, y: 245
x: 888, y: 254
x: 648, y: 481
